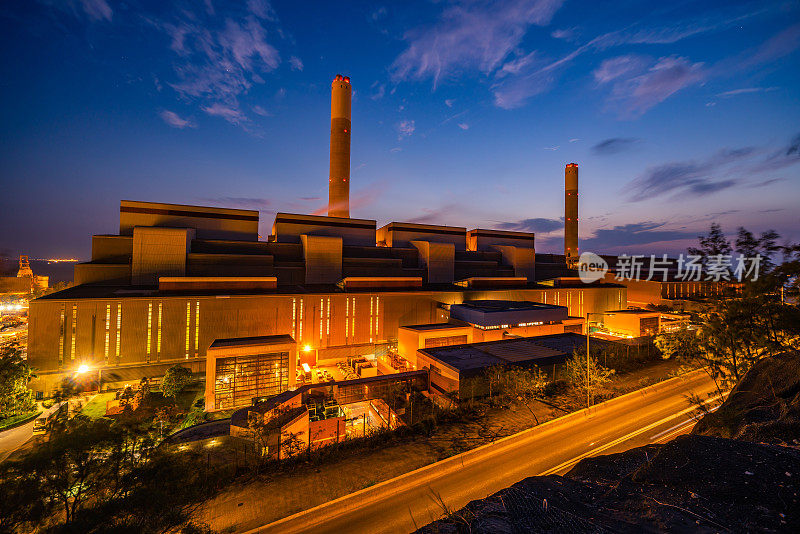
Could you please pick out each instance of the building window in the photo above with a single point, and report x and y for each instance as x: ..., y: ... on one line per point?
x: 445, y: 341
x: 371, y: 311
x: 108, y: 332
x: 188, y: 326
x: 149, y: 328
x: 119, y: 329
x: 61, y: 336
x: 346, y: 319
x: 196, y: 327
x: 240, y: 379
x: 74, y: 331
x: 321, y: 321
x: 328, y: 317
x: 294, y: 319
x: 300, y: 319
x: 158, y: 334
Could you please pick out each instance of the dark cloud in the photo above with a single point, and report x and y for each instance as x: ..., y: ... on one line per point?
x: 641, y: 233
x: 688, y: 176
x: 614, y: 145
x: 765, y: 183
x: 533, y: 225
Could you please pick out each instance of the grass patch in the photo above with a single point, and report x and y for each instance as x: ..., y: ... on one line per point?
x: 96, y: 408
x: 16, y: 420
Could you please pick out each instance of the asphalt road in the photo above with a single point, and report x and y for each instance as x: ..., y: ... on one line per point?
x: 14, y: 438
x: 402, y: 504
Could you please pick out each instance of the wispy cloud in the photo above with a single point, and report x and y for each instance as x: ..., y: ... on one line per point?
x: 687, y: 176
x: 537, y: 225
x: 641, y: 233
x: 615, y: 67
x: 296, y: 63
x: 463, y: 125
x: 722, y: 170
x: 552, y: 148
x: 219, y: 58
x: 231, y: 114
x: 405, y: 128
x: 615, y: 145
x: 470, y: 35
x: 746, y: 90
x: 634, y: 92
x: 174, y: 120
x: 97, y: 9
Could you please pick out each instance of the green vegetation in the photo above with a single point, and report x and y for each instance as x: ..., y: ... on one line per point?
x: 175, y: 380
x: 15, y: 397
x: 577, y: 377
x: 736, y: 331
x: 96, y: 407
x: 103, y: 476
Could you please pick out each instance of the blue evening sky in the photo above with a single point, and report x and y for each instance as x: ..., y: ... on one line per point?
x: 464, y: 113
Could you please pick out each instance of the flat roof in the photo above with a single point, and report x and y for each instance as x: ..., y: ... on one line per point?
x: 89, y: 291
x: 634, y: 312
x: 435, y: 326
x: 253, y: 340
x: 542, y: 350
x: 490, y: 306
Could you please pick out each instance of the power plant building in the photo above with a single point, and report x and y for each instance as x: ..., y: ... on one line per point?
x: 196, y: 285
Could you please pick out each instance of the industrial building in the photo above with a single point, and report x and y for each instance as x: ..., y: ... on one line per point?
x: 196, y: 285
x: 458, y: 370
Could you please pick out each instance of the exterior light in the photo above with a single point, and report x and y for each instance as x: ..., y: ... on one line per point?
x: 83, y: 368
x: 307, y: 348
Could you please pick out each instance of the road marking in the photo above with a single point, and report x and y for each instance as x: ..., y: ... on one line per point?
x: 596, y: 450
x: 681, y: 424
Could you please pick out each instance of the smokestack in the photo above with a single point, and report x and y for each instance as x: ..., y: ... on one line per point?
x: 571, y: 214
x: 339, y: 177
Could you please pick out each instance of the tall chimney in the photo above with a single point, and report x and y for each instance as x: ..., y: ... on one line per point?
x: 339, y: 177
x: 571, y: 214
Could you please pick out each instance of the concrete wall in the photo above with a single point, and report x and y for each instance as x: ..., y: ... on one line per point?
x: 409, y: 340
x: 102, y: 273
x: 438, y: 259
x: 354, y: 319
x: 159, y: 252
x: 288, y: 228
x: 210, y: 223
x: 323, y: 259
x: 400, y: 234
x: 482, y: 239
x: 523, y: 260
x: 112, y: 248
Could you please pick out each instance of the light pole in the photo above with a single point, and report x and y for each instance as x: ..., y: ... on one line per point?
x: 588, y: 378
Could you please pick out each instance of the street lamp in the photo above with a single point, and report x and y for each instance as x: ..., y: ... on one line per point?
x: 588, y: 378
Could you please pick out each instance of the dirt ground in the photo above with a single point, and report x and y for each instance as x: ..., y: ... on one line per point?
x: 267, y: 498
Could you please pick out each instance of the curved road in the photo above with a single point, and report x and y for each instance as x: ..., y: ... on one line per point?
x: 653, y: 414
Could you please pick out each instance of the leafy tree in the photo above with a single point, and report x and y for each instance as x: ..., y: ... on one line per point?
x: 15, y: 397
x: 175, y: 380
x: 683, y: 345
x: 746, y: 243
x: 575, y: 370
x: 712, y: 244
x: 94, y: 476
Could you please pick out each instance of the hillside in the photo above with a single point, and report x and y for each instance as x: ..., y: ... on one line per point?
x: 764, y: 407
x: 702, y: 482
